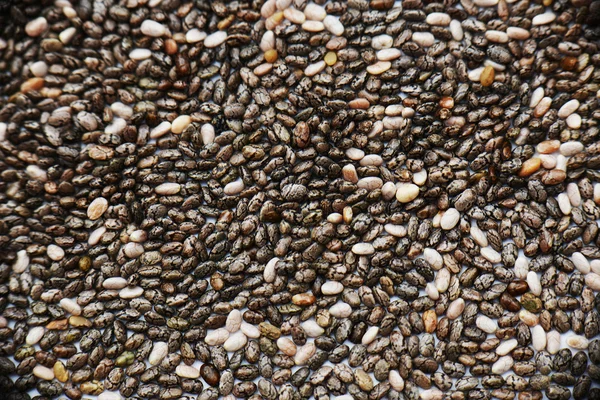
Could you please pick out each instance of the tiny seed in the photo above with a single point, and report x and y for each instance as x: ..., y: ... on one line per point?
x: 271, y: 55
x: 487, y: 76
x: 330, y: 58
x: 568, y: 63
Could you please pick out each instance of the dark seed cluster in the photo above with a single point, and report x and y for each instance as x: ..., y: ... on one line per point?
x: 297, y: 199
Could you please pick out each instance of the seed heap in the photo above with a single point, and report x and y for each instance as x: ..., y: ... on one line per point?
x: 289, y: 199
